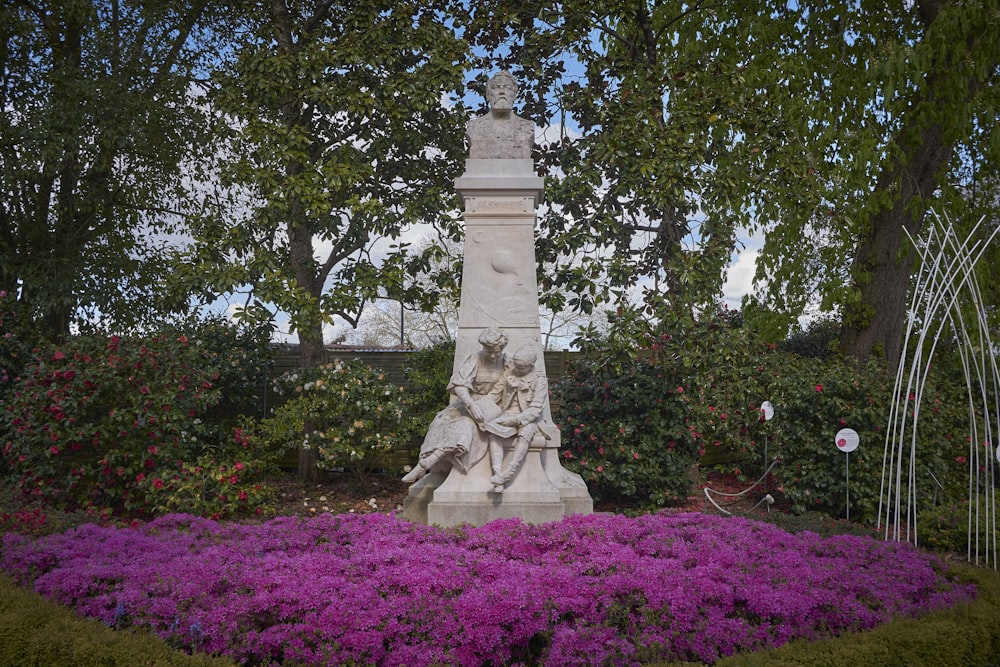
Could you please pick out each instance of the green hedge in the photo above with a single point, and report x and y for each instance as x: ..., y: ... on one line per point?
x: 37, y: 632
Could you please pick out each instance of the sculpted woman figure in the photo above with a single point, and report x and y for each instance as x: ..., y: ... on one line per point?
x: 454, y: 437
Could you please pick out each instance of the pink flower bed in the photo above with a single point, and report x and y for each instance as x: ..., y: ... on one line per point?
x: 599, y: 589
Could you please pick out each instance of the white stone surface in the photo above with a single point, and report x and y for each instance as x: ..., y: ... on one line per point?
x: 499, y: 289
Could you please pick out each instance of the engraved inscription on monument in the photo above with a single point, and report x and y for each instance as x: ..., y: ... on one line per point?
x: 499, y: 205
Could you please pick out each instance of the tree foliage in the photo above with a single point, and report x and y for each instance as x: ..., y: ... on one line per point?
x: 99, y: 114
x: 342, y: 142
x: 829, y: 125
x: 642, y: 121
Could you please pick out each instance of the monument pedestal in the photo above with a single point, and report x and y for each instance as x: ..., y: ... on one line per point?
x: 501, y: 191
x: 470, y: 498
x: 542, y: 491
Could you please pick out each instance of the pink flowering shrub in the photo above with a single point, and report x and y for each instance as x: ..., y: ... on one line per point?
x: 116, y: 425
x: 372, y: 589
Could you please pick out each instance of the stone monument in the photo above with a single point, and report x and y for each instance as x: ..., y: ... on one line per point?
x: 494, y: 451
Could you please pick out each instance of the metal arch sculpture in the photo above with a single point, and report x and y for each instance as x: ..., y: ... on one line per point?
x: 946, y: 277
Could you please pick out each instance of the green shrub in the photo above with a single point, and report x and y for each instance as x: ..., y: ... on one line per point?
x: 721, y: 372
x: 727, y: 372
x: 814, y: 400
x: 115, y: 425
x: 946, y: 527
x: 817, y: 340
x: 350, y: 413
x: 243, y: 359
x: 626, y: 432
x: 428, y: 372
x: 18, y: 336
x: 36, y: 631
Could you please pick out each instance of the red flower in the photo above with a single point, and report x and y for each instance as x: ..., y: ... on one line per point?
x: 58, y: 356
x: 141, y: 476
x: 157, y: 483
x: 960, y: 459
x: 819, y: 387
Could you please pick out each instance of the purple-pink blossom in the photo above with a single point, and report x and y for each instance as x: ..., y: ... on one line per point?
x: 599, y: 589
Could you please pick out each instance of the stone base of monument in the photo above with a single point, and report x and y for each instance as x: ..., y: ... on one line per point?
x: 541, y: 492
x: 420, y: 495
x: 572, y: 489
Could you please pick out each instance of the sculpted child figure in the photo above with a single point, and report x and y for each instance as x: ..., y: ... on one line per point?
x: 521, y: 394
x: 454, y: 437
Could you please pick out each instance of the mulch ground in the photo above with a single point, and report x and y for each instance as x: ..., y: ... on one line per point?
x: 340, y: 493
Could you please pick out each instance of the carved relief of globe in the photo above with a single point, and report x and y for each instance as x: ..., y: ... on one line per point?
x: 503, y: 262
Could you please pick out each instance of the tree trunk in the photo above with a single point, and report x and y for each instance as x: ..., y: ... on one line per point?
x: 873, y: 326
x: 311, y: 354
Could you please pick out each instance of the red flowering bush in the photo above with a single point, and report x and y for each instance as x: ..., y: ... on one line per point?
x: 814, y: 400
x: 117, y: 424
x: 626, y: 432
x: 704, y: 387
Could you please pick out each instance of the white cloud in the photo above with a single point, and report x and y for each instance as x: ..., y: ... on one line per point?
x: 739, y: 279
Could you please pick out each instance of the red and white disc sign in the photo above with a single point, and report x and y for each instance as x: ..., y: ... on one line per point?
x: 847, y: 440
